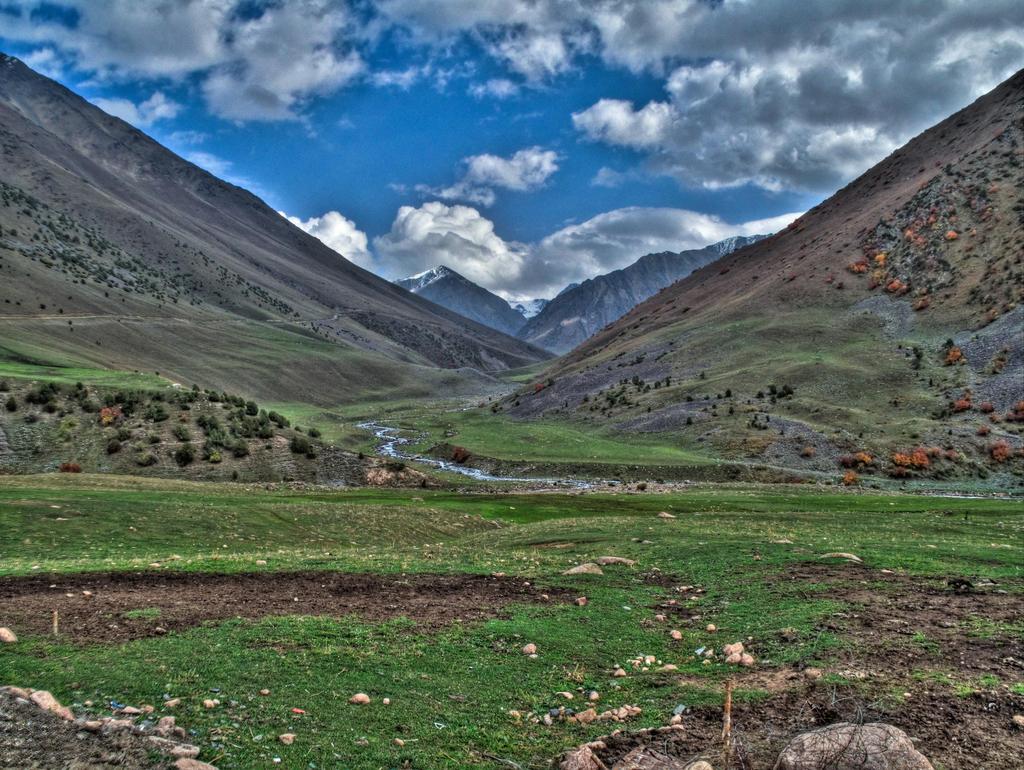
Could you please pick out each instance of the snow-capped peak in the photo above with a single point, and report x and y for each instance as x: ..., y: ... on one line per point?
x: 528, y: 308
x: 420, y: 281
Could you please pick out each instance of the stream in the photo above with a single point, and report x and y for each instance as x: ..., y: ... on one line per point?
x: 391, y: 445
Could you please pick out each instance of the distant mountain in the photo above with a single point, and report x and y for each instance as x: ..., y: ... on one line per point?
x: 445, y: 287
x: 531, y: 307
x: 117, y: 253
x: 582, y: 309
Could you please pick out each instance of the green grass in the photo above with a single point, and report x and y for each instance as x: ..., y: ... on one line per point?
x: 451, y: 691
x: 69, y: 375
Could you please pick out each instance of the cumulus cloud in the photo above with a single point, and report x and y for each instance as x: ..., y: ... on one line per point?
x: 525, y: 170
x: 457, y: 236
x: 250, y: 67
x: 782, y: 94
x: 340, y: 234
x: 618, y: 238
x: 146, y: 113
x: 462, y: 238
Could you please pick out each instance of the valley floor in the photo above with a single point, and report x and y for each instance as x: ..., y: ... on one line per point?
x: 176, y: 590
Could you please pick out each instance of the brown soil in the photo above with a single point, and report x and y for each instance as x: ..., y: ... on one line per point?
x: 901, y: 635
x: 31, y: 738
x: 187, y: 599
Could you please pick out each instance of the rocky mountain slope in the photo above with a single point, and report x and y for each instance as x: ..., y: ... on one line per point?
x: 581, y: 310
x: 882, y: 332
x: 450, y: 290
x: 116, y: 253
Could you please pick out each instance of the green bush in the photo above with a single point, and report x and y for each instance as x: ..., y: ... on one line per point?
x: 123, y: 434
x: 113, y: 446
x: 314, y: 433
x: 215, y: 457
x: 184, y: 455
x: 182, y: 433
x: 12, y: 404
x: 156, y: 412
x: 300, y: 445
x: 154, y: 438
x: 145, y: 459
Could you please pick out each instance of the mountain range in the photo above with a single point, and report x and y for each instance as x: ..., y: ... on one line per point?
x: 117, y: 253
x: 451, y: 290
x: 884, y: 323
x: 581, y: 310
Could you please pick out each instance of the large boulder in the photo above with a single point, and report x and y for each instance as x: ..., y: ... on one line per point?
x: 846, y: 746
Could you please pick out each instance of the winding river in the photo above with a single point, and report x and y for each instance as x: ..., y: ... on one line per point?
x: 390, y: 444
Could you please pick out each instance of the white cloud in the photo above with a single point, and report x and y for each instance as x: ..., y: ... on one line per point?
x: 340, y: 234
x: 457, y: 236
x: 260, y: 67
x: 785, y: 95
x: 462, y: 238
x: 525, y: 170
x: 496, y: 88
x: 146, y: 113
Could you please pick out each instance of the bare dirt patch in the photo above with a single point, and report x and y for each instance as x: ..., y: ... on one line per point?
x: 907, y: 643
x: 32, y: 738
x: 123, y: 606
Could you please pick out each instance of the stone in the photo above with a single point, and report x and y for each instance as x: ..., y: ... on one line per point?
x: 746, y: 659
x: 529, y: 649
x: 588, y: 568
x: 847, y: 746
x: 264, y: 692
x: 192, y: 764
x: 184, y: 750
x: 676, y: 634
x: 359, y: 699
x: 1018, y: 721
x: 7, y: 636
x: 287, y: 738
x: 130, y: 711
x: 45, y: 700
x: 711, y: 628
x: 211, y: 703
x: 605, y: 561
x: 17, y: 692
x: 564, y: 694
x: 665, y: 515
x: 164, y: 726
x: 700, y: 764
x: 398, y: 742
x: 842, y: 555
x: 581, y: 601
x: 593, y: 696
x: 386, y: 701
x: 582, y: 758
x: 172, y: 703
x: 813, y: 673
x: 660, y: 618
x: 734, y: 659
x: 733, y: 649
x: 619, y: 673
x: 669, y: 667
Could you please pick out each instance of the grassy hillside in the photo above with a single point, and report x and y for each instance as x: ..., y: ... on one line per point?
x: 887, y: 321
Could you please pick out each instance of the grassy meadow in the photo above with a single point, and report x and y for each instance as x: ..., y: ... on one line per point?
x: 451, y: 689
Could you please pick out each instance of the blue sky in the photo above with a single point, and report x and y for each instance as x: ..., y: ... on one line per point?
x: 526, y: 143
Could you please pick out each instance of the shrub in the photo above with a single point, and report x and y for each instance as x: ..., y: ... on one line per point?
x: 145, y: 459
x: 123, y: 434
x: 110, y: 415
x: 895, y: 286
x: 182, y: 433
x: 314, y: 433
x: 156, y: 412
x: 70, y: 468
x: 983, y: 430
x: 299, y: 445
x: 154, y: 438
x: 113, y: 446
x: 240, y: 448
x: 986, y: 407
x: 961, y: 405
x: 1000, y: 451
x: 12, y: 404
x: 252, y: 408
x: 954, y: 355
x: 916, y: 459
x: 808, y: 451
x: 460, y: 454
x: 850, y: 478
x: 215, y: 457
x: 184, y: 455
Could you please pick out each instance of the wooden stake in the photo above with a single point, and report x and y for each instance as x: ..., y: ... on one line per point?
x: 55, y: 623
x: 727, y: 725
